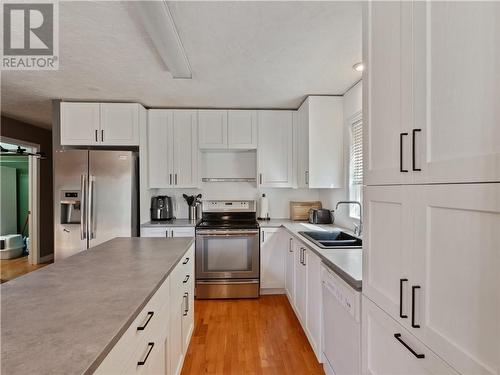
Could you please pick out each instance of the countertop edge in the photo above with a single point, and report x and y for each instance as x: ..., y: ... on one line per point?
x: 100, y: 358
x: 355, y: 284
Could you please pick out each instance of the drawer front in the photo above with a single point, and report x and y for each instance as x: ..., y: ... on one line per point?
x: 144, y: 326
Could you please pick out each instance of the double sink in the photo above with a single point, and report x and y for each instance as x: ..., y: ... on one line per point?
x: 332, y: 239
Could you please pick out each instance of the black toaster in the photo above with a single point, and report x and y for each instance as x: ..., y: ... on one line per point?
x: 320, y: 216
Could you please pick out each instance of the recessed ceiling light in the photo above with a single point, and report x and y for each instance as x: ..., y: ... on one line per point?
x: 359, y: 67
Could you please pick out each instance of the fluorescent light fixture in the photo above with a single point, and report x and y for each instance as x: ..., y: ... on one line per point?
x: 157, y: 20
x: 359, y: 67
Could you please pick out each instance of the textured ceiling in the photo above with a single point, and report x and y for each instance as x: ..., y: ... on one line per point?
x: 242, y: 54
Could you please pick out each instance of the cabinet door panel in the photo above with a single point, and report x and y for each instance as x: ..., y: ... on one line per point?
x: 79, y: 123
x: 314, y: 301
x: 387, y: 247
x: 175, y: 336
x: 290, y: 270
x: 455, y: 262
x: 275, y: 152
x: 272, y: 263
x: 185, y: 134
x: 183, y: 232
x: 385, y: 92
x: 213, y: 129
x: 303, y: 146
x: 456, y: 91
x: 242, y: 129
x: 300, y: 285
x: 119, y: 124
x: 159, y: 150
x: 383, y: 354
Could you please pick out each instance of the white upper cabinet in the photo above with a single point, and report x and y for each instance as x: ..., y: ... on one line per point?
x: 320, y: 142
x: 212, y: 128
x: 120, y: 124
x: 172, y: 148
x: 275, y: 151
x: 456, y: 92
x: 430, y: 104
x: 386, y: 47
x: 100, y: 124
x: 185, y: 159
x: 80, y: 123
x: 242, y: 129
x: 227, y: 129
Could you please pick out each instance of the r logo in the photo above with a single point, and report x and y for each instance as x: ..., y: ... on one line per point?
x: 28, y: 29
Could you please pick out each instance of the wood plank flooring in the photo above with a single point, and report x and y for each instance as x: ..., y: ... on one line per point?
x: 12, y: 268
x: 261, y: 336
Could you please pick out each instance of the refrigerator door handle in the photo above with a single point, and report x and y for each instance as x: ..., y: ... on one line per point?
x: 83, y: 207
x: 91, y: 207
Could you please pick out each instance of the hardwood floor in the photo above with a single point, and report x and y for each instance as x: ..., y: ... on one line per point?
x: 260, y: 336
x: 12, y: 268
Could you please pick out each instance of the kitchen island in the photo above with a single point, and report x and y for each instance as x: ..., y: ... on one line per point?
x: 67, y: 317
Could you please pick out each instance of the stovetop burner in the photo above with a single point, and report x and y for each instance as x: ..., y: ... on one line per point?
x: 228, y: 215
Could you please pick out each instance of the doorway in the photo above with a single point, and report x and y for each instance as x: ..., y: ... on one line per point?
x: 19, y: 207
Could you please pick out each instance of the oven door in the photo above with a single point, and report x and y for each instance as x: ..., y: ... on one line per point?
x: 227, y: 254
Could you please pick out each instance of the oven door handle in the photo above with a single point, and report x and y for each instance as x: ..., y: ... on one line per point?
x: 226, y: 233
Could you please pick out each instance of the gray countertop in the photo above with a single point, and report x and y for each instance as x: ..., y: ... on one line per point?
x: 66, y: 317
x: 345, y: 262
x: 171, y: 223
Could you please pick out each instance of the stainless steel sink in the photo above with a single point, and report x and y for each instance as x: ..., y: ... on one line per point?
x: 332, y: 239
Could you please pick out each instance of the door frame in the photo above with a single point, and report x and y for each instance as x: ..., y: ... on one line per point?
x: 33, y: 199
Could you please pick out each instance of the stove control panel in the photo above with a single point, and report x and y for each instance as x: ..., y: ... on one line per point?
x: 229, y: 205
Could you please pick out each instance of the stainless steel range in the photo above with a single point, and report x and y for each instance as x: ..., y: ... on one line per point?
x: 227, y: 250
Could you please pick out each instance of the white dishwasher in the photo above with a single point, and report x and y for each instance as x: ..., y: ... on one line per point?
x: 341, y: 325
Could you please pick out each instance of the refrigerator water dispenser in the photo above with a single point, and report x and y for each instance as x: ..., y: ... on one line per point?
x: 70, y: 207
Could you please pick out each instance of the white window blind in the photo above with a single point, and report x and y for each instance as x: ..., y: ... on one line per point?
x: 357, y: 153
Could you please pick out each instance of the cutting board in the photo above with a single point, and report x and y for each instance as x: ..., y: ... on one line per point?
x: 299, y: 211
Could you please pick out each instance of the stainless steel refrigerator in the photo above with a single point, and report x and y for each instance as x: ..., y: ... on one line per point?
x: 96, y: 198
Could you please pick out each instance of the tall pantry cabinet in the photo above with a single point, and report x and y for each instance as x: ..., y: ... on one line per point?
x: 431, y: 256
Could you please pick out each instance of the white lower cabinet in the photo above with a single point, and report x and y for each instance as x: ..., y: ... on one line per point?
x: 290, y: 269
x: 300, y: 301
x: 431, y: 261
x: 389, y: 349
x: 157, y: 340
x: 167, y: 232
x: 272, y: 260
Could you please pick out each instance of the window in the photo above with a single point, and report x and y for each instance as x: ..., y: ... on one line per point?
x: 356, y: 167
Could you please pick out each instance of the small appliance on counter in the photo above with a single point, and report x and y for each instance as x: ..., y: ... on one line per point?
x: 161, y: 208
x: 321, y: 216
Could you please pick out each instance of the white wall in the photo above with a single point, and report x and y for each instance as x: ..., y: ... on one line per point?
x: 8, y: 201
x: 279, y: 199
x: 330, y: 197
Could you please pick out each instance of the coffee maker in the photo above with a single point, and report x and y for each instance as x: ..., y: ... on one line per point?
x: 161, y: 208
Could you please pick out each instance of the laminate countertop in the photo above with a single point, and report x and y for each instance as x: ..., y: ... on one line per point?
x: 67, y: 316
x: 345, y: 262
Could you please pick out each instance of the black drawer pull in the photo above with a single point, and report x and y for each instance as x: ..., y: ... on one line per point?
x: 398, y: 337
x: 186, y: 304
x: 401, y: 315
x: 150, y: 315
x: 186, y: 279
x: 413, y: 149
x: 413, y: 288
x: 186, y: 261
x: 401, y: 135
x: 142, y: 363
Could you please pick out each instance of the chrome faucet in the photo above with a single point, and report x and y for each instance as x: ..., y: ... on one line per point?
x: 357, y: 228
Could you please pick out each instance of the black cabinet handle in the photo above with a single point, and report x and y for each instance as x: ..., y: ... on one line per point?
x: 186, y: 279
x: 304, y: 257
x: 186, y: 308
x: 413, y: 288
x: 150, y: 315
x: 102, y: 135
x: 401, y: 315
x: 398, y: 337
x: 96, y: 135
x: 401, y: 135
x: 290, y: 246
x: 186, y: 261
x: 413, y: 149
x: 260, y: 178
x: 142, y: 363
